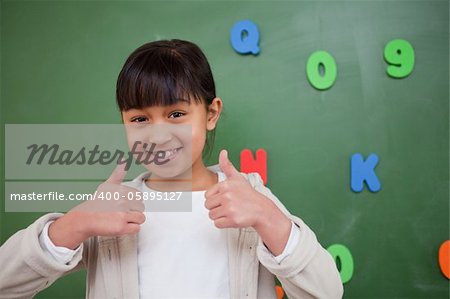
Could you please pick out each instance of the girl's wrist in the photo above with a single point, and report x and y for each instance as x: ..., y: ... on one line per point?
x: 273, y: 226
x: 69, y: 230
x: 268, y: 214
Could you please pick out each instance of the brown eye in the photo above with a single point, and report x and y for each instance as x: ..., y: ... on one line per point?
x: 139, y: 119
x: 177, y: 114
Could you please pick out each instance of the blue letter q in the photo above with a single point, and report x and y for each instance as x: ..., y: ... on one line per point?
x: 244, y: 37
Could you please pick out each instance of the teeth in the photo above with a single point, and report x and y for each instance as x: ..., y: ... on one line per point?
x: 167, y: 154
x: 171, y: 152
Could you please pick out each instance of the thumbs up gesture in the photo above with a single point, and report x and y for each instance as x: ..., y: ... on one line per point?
x: 122, y: 214
x: 234, y: 202
x: 112, y: 196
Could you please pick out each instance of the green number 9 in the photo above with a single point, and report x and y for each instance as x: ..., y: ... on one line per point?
x: 400, y: 55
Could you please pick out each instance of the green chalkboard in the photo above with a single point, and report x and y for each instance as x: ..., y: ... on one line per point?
x: 60, y: 61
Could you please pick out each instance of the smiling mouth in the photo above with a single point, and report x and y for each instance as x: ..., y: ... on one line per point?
x: 168, y: 154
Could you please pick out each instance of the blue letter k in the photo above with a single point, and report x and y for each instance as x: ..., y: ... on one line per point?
x: 364, y: 171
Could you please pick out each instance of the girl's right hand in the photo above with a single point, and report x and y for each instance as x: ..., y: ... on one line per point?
x: 100, y: 217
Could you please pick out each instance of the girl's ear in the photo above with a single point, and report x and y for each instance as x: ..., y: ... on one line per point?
x: 213, y: 113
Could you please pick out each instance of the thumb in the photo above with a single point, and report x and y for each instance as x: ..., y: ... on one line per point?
x: 118, y: 174
x: 226, y: 166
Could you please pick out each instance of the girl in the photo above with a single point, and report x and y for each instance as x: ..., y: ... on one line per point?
x: 237, y: 237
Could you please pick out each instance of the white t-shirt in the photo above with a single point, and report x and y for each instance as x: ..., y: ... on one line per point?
x: 182, y: 254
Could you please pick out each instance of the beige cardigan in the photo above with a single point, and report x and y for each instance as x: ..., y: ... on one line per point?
x: 112, y: 268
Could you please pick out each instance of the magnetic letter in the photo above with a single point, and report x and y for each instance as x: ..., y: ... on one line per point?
x: 317, y: 60
x: 399, y: 53
x: 364, y: 171
x: 244, y: 37
x: 259, y: 165
x: 444, y: 258
x: 341, y: 252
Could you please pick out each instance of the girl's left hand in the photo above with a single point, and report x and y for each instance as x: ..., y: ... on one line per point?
x: 234, y: 202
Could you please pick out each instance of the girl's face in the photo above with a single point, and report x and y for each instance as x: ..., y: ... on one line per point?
x: 169, y: 140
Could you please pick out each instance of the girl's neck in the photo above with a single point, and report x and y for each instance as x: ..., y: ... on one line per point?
x: 197, y: 178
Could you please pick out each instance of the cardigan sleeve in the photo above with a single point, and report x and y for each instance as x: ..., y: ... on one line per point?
x: 309, y: 271
x: 29, y: 269
x: 61, y: 254
x: 290, y: 245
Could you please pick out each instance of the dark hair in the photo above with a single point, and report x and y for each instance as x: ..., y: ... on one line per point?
x: 163, y: 72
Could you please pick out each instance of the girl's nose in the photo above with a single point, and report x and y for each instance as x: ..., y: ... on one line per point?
x: 158, y: 134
